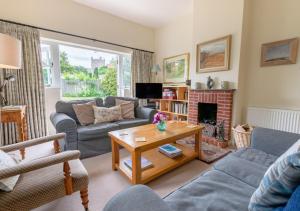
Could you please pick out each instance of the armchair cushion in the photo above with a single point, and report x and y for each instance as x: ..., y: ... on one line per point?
x: 66, y: 107
x: 41, y: 186
x: 6, y: 161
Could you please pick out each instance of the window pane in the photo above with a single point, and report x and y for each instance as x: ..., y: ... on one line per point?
x: 87, y: 73
x: 46, y: 63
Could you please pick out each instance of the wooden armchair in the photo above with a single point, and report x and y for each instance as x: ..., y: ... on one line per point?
x: 44, y: 179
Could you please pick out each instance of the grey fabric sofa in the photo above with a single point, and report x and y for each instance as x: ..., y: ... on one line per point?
x: 93, y: 139
x: 229, y: 185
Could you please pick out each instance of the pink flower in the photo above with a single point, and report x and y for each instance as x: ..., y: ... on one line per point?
x: 158, y: 117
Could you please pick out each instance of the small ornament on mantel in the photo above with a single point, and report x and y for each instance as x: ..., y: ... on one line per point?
x: 210, y: 83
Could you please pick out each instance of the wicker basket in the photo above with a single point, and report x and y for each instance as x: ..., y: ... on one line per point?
x: 242, y: 139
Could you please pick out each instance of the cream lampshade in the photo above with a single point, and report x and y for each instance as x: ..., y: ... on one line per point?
x: 10, y: 52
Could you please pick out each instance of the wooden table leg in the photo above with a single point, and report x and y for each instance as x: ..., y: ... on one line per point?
x: 198, y: 144
x: 136, y: 167
x: 21, y: 136
x: 115, y: 154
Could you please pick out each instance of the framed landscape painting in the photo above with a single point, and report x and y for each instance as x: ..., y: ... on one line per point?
x: 214, y: 55
x: 280, y: 52
x: 176, y: 68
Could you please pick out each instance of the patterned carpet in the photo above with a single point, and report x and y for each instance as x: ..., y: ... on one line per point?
x: 210, y: 153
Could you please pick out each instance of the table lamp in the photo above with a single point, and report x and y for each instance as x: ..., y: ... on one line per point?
x: 10, y: 58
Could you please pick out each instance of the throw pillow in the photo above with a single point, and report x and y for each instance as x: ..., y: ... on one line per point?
x: 127, y: 108
x: 6, y: 161
x: 277, y: 185
x: 103, y: 114
x: 294, y: 202
x: 85, y: 112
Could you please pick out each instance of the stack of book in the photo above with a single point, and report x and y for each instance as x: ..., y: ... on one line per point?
x: 170, y: 150
x: 144, y: 163
x: 180, y: 108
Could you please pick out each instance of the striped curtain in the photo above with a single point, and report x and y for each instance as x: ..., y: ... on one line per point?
x: 28, y: 89
x: 141, y: 64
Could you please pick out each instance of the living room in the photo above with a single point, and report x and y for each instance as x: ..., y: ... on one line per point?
x: 68, y: 66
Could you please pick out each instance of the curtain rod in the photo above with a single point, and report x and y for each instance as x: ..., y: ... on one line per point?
x: 73, y: 35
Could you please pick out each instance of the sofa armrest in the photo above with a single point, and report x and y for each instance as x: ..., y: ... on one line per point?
x: 271, y: 141
x: 65, y: 124
x: 145, y: 113
x: 136, y: 198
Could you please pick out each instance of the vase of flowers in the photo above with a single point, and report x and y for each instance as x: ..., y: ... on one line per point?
x: 160, y: 121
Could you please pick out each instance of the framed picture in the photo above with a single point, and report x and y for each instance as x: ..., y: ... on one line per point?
x: 176, y: 68
x: 214, y: 55
x: 279, y: 53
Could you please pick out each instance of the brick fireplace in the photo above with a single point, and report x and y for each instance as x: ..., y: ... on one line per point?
x: 216, y: 107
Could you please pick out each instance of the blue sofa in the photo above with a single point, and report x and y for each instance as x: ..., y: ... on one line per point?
x: 93, y: 139
x: 228, y: 186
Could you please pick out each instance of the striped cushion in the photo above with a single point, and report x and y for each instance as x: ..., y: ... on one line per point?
x: 7, y: 161
x: 278, y: 184
x: 127, y: 108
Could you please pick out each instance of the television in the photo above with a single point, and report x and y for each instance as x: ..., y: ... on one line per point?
x: 148, y: 90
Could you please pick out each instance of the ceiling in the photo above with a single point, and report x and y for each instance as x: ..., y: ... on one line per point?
x: 151, y: 13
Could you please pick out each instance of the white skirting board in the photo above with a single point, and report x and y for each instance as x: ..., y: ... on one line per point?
x: 278, y: 119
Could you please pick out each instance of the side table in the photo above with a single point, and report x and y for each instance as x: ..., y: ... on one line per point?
x: 17, y: 115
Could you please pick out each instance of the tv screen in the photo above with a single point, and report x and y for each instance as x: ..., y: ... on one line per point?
x: 148, y: 90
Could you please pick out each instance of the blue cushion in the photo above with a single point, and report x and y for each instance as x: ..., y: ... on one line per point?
x: 278, y: 184
x: 294, y: 201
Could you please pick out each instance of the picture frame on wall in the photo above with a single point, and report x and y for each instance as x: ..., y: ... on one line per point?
x: 176, y: 68
x: 214, y: 55
x: 279, y: 53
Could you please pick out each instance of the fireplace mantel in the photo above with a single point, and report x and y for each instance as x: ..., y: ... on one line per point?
x: 223, y: 98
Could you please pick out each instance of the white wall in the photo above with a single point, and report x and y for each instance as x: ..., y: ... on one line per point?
x: 210, y: 19
x: 70, y: 17
x: 174, y: 39
x: 275, y: 86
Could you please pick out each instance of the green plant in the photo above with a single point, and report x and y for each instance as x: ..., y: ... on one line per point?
x: 109, y: 83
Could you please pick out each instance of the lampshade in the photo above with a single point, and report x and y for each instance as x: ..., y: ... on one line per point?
x: 155, y: 68
x: 10, y: 52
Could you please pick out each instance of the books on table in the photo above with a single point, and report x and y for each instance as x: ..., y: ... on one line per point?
x: 145, y: 164
x: 170, y: 150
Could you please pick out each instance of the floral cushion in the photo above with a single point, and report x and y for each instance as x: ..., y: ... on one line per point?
x: 103, y: 114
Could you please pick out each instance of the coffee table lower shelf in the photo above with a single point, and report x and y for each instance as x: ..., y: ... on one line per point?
x: 161, y: 163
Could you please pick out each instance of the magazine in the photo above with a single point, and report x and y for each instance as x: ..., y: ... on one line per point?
x: 144, y: 163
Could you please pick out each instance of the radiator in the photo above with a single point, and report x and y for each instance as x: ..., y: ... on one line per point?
x: 278, y: 119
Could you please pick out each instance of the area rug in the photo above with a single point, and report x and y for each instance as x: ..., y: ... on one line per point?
x: 210, y: 153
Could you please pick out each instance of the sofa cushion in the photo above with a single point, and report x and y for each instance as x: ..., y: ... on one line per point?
x: 111, y: 101
x: 234, y: 165
x: 278, y: 184
x: 85, y: 112
x: 214, y: 190
x: 103, y: 114
x: 95, y: 131
x: 256, y: 156
x: 294, y: 202
x: 127, y: 108
x: 127, y: 123
x: 66, y: 107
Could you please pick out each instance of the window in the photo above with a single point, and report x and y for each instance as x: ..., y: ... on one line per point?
x: 47, y: 64
x: 86, y: 72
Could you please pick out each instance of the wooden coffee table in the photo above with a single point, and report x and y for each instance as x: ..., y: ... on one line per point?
x: 149, y: 149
